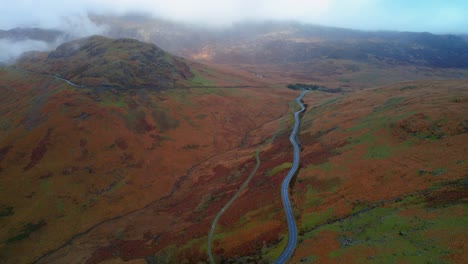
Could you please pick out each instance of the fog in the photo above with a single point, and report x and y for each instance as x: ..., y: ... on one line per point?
x: 416, y: 15
x: 72, y: 16
x: 16, y: 48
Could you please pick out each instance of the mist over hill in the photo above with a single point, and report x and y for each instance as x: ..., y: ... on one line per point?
x: 278, y: 42
x: 261, y: 42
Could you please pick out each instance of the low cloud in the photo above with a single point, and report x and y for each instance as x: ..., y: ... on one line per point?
x: 11, y: 49
x: 73, y: 27
x: 72, y: 16
x: 403, y: 15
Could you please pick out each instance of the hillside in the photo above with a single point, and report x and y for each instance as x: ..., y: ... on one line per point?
x: 102, y: 62
x: 73, y: 160
x: 103, y: 166
x: 133, y: 164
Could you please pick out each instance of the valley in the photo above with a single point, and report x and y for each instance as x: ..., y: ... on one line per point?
x: 114, y: 150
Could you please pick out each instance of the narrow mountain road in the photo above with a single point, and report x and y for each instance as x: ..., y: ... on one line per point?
x: 220, y: 213
x: 53, y: 75
x: 242, y: 187
x: 292, y: 237
x: 284, y: 193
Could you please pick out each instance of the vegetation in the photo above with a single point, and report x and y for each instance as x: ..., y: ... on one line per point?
x: 119, y: 63
x: 199, y: 80
x: 27, y: 230
x: 391, y: 233
x: 313, y: 87
x: 279, y: 168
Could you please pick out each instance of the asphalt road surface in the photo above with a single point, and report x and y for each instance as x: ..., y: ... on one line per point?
x: 292, y: 237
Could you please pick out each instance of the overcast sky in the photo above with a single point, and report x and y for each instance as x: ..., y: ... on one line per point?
x: 437, y: 16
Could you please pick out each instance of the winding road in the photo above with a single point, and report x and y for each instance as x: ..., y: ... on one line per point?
x: 289, y: 249
x: 53, y: 75
x: 220, y: 213
x: 292, y: 237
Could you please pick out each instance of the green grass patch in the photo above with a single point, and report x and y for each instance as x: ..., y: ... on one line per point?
x: 279, y: 168
x: 61, y: 206
x: 166, y: 255
x: 198, y: 244
x: 326, y: 167
x: 210, y: 90
x: 409, y: 87
x: 114, y: 186
x: 389, y: 104
x: 44, y: 185
x: 325, y: 106
x: 205, y: 202
x: 378, y: 152
x: 335, y: 253
x: 370, y: 125
x: 313, y: 201
x: 118, y: 102
x: 275, y: 251
x: 276, y: 86
x: 199, y: 80
x: 5, y: 124
x: 364, y: 138
x: 181, y: 96
x: 439, y: 172
x: 166, y: 138
x: 370, y: 122
x: 394, y: 238
x: 280, y: 128
x: 310, y: 220
x: 310, y: 191
x: 164, y: 120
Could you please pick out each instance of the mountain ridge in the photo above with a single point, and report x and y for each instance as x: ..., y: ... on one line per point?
x: 98, y: 61
x: 283, y: 42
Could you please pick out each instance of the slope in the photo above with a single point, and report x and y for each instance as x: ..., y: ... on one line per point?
x: 74, y: 160
x: 101, y: 62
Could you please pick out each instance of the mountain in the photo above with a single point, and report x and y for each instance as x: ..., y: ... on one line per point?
x: 78, y: 158
x: 22, y: 33
x: 286, y: 42
x: 102, y: 62
x: 275, y: 42
x: 134, y: 164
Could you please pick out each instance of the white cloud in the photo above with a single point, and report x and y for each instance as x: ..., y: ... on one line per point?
x: 12, y: 49
x: 427, y: 15
x: 72, y: 16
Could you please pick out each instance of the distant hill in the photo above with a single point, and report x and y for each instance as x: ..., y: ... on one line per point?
x: 46, y: 35
x: 285, y: 42
x: 274, y: 42
x: 98, y: 61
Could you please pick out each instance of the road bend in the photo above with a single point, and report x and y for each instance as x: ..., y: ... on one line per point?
x: 292, y: 235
